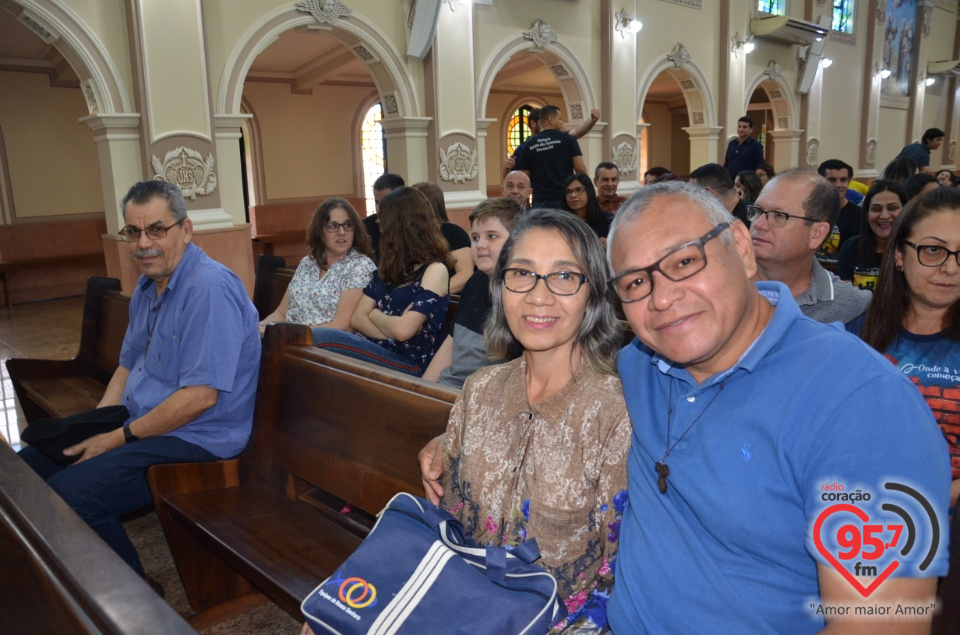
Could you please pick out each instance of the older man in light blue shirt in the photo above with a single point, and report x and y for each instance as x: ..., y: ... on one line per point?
x: 187, y: 373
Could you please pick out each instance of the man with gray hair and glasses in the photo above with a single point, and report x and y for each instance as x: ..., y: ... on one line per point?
x: 743, y: 410
x: 187, y: 373
x: 793, y: 215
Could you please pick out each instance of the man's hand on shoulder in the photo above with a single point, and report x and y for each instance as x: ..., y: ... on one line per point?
x: 97, y: 444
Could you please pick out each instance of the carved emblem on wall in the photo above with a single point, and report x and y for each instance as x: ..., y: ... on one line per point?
x: 870, y: 156
x: 625, y: 157
x: 576, y: 111
x: 687, y: 84
x: 697, y: 117
x: 325, y: 11
x: 813, y: 152
x: 188, y: 169
x: 453, y: 4
x: 773, y: 70
x: 363, y: 53
x: 458, y: 163
x: 680, y: 56
x: 541, y: 33
x: 775, y: 94
x: 390, y: 104
x: 881, y: 12
x: 952, y: 151
x: 782, y: 123
x: 560, y: 70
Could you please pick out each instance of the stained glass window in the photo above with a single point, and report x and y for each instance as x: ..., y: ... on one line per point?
x: 773, y: 7
x: 373, y: 147
x: 518, y: 129
x: 843, y: 16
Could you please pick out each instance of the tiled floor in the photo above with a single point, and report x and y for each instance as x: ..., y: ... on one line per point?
x: 44, y: 330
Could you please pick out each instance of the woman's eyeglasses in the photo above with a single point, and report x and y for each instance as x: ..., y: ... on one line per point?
x: 333, y: 227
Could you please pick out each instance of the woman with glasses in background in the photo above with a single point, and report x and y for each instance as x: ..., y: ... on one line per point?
x: 537, y: 447
x: 914, y: 319
x: 401, y: 319
x: 328, y: 284
x: 580, y: 197
x: 859, y: 257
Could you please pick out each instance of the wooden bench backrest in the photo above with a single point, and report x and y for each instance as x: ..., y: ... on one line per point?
x: 271, y: 283
x: 58, y: 576
x: 106, y: 314
x: 346, y: 426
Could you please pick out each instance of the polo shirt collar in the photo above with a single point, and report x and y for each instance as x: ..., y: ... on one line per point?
x: 820, y: 289
x: 190, y: 254
x: 553, y: 409
x: 785, y: 313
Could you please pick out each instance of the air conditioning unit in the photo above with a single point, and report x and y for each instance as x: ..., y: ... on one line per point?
x: 423, y: 27
x: 786, y: 30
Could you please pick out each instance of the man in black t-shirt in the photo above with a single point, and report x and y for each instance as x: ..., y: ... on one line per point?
x: 847, y: 226
x: 384, y: 184
x: 548, y: 158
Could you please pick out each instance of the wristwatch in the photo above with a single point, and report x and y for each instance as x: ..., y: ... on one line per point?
x: 128, y: 435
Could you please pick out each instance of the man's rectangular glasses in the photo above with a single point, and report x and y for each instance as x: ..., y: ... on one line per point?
x: 775, y: 218
x: 686, y: 260
x: 154, y: 232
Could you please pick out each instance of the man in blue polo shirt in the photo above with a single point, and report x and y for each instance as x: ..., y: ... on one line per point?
x: 187, y: 373
x: 749, y: 419
x: 744, y: 152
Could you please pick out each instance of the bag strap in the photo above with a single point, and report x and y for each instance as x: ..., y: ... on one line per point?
x: 528, y: 551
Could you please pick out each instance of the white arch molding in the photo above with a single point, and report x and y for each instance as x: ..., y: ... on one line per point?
x: 575, y: 85
x: 85, y: 54
x: 781, y: 99
x: 693, y: 86
x: 385, y: 64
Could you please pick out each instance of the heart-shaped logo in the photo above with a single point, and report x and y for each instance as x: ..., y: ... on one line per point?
x: 862, y: 515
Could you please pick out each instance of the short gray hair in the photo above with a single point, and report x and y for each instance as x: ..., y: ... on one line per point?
x: 599, y: 334
x: 145, y: 191
x: 822, y: 202
x: 639, y: 203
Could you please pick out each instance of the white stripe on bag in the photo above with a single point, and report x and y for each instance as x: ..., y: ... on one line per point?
x: 399, y: 609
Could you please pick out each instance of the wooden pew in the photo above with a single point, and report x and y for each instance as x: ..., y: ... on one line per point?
x: 329, y: 431
x: 10, y: 267
x: 273, y: 278
x: 58, y: 388
x: 58, y: 576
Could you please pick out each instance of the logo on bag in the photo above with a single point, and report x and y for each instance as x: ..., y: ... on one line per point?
x: 867, y: 541
x: 352, y: 593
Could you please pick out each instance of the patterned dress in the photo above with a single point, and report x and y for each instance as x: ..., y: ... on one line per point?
x: 313, y: 300
x: 555, y: 471
x: 420, y: 348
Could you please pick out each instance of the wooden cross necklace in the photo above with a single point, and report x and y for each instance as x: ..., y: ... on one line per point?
x: 663, y: 470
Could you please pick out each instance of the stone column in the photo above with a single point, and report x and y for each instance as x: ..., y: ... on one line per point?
x: 620, y: 142
x: 704, y: 145
x: 786, y: 148
x: 451, y: 100
x: 179, y: 140
x: 407, y: 146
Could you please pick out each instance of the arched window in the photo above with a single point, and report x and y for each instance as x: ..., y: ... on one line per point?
x: 373, y: 148
x: 518, y: 129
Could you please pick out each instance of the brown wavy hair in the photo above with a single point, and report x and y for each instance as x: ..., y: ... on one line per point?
x: 410, y: 236
x: 361, y: 240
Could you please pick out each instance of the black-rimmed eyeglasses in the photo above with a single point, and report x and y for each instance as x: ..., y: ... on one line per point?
x: 933, y: 255
x: 686, y: 260
x: 775, y: 218
x: 154, y: 232
x: 333, y: 227
x: 558, y: 283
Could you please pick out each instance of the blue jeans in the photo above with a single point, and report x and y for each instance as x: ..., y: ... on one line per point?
x: 113, y: 484
x: 359, y: 347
